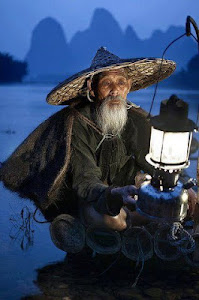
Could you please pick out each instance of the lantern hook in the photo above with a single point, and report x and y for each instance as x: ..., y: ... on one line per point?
x: 189, y: 21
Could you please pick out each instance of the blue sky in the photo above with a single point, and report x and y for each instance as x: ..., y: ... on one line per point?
x: 19, y: 17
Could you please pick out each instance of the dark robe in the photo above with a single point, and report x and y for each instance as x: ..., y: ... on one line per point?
x: 33, y: 167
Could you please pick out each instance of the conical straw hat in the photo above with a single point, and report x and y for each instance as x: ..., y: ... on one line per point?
x: 143, y: 71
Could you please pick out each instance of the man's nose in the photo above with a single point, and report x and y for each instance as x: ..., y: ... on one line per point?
x: 114, y: 90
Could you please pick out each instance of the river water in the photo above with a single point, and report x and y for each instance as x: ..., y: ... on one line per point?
x: 25, y: 246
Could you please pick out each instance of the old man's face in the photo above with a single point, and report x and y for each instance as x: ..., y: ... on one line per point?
x: 113, y: 83
x: 110, y: 91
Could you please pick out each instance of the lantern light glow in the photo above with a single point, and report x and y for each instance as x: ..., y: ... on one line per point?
x: 165, y: 197
x: 169, y: 150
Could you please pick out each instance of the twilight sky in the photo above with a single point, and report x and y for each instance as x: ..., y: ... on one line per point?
x: 19, y: 17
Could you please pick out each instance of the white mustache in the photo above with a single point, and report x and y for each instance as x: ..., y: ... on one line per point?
x: 113, y: 98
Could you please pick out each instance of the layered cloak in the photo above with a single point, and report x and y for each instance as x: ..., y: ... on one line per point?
x: 33, y: 167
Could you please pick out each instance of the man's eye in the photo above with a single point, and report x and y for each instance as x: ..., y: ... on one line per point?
x: 122, y: 82
x: 106, y: 83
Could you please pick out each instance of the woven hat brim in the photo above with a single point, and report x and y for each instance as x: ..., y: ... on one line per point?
x: 143, y: 71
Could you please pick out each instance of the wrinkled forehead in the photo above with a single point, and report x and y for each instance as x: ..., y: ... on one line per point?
x: 119, y: 72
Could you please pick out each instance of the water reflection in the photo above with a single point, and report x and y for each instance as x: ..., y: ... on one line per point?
x: 78, y: 277
x: 22, y: 228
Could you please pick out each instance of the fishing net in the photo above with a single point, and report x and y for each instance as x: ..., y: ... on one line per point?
x: 162, y: 246
x: 137, y: 244
x: 171, y: 241
x: 103, y: 240
x: 67, y: 233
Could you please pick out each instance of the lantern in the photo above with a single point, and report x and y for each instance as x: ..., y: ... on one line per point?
x: 164, y: 198
x: 171, y: 136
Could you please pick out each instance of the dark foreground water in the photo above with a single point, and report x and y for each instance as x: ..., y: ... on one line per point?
x: 30, y: 264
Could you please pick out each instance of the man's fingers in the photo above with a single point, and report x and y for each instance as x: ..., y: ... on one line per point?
x: 140, y: 178
x: 126, y: 190
x: 128, y: 194
x: 130, y: 200
x: 131, y: 190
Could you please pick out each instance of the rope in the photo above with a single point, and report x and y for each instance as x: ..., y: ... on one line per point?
x: 129, y: 105
x: 85, y: 119
x: 178, y: 237
x: 34, y: 218
x: 105, y: 136
x: 156, y: 245
x: 178, y: 241
x: 141, y: 254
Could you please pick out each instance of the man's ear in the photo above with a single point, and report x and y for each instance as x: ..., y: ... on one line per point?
x: 129, y: 83
x: 89, y: 82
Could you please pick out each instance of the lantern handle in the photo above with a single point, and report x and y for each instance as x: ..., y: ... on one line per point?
x: 190, y: 21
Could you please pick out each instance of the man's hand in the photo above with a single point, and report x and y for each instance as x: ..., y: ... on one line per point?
x: 140, y: 178
x: 118, y: 197
x: 128, y: 193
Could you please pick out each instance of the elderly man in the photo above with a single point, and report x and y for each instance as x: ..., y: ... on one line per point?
x: 86, y: 159
x: 107, y: 161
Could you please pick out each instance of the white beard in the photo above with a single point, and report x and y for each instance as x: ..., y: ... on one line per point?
x: 111, y: 118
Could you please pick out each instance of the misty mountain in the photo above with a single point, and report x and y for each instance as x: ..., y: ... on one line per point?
x: 131, y: 45
x: 103, y: 31
x: 49, y: 52
x: 51, y: 55
x: 181, y: 51
x: 188, y: 79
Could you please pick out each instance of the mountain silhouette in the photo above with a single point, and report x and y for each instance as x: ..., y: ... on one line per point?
x: 49, y: 52
x: 50, y: 55
x: 188, y: 79
x: 103, y: 31
x: 180, y: 52
x: 132, y: 45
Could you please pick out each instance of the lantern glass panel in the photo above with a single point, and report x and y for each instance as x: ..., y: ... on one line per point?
x: 169, y: 147
x: 156, y: 144
x: 175, y: 147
